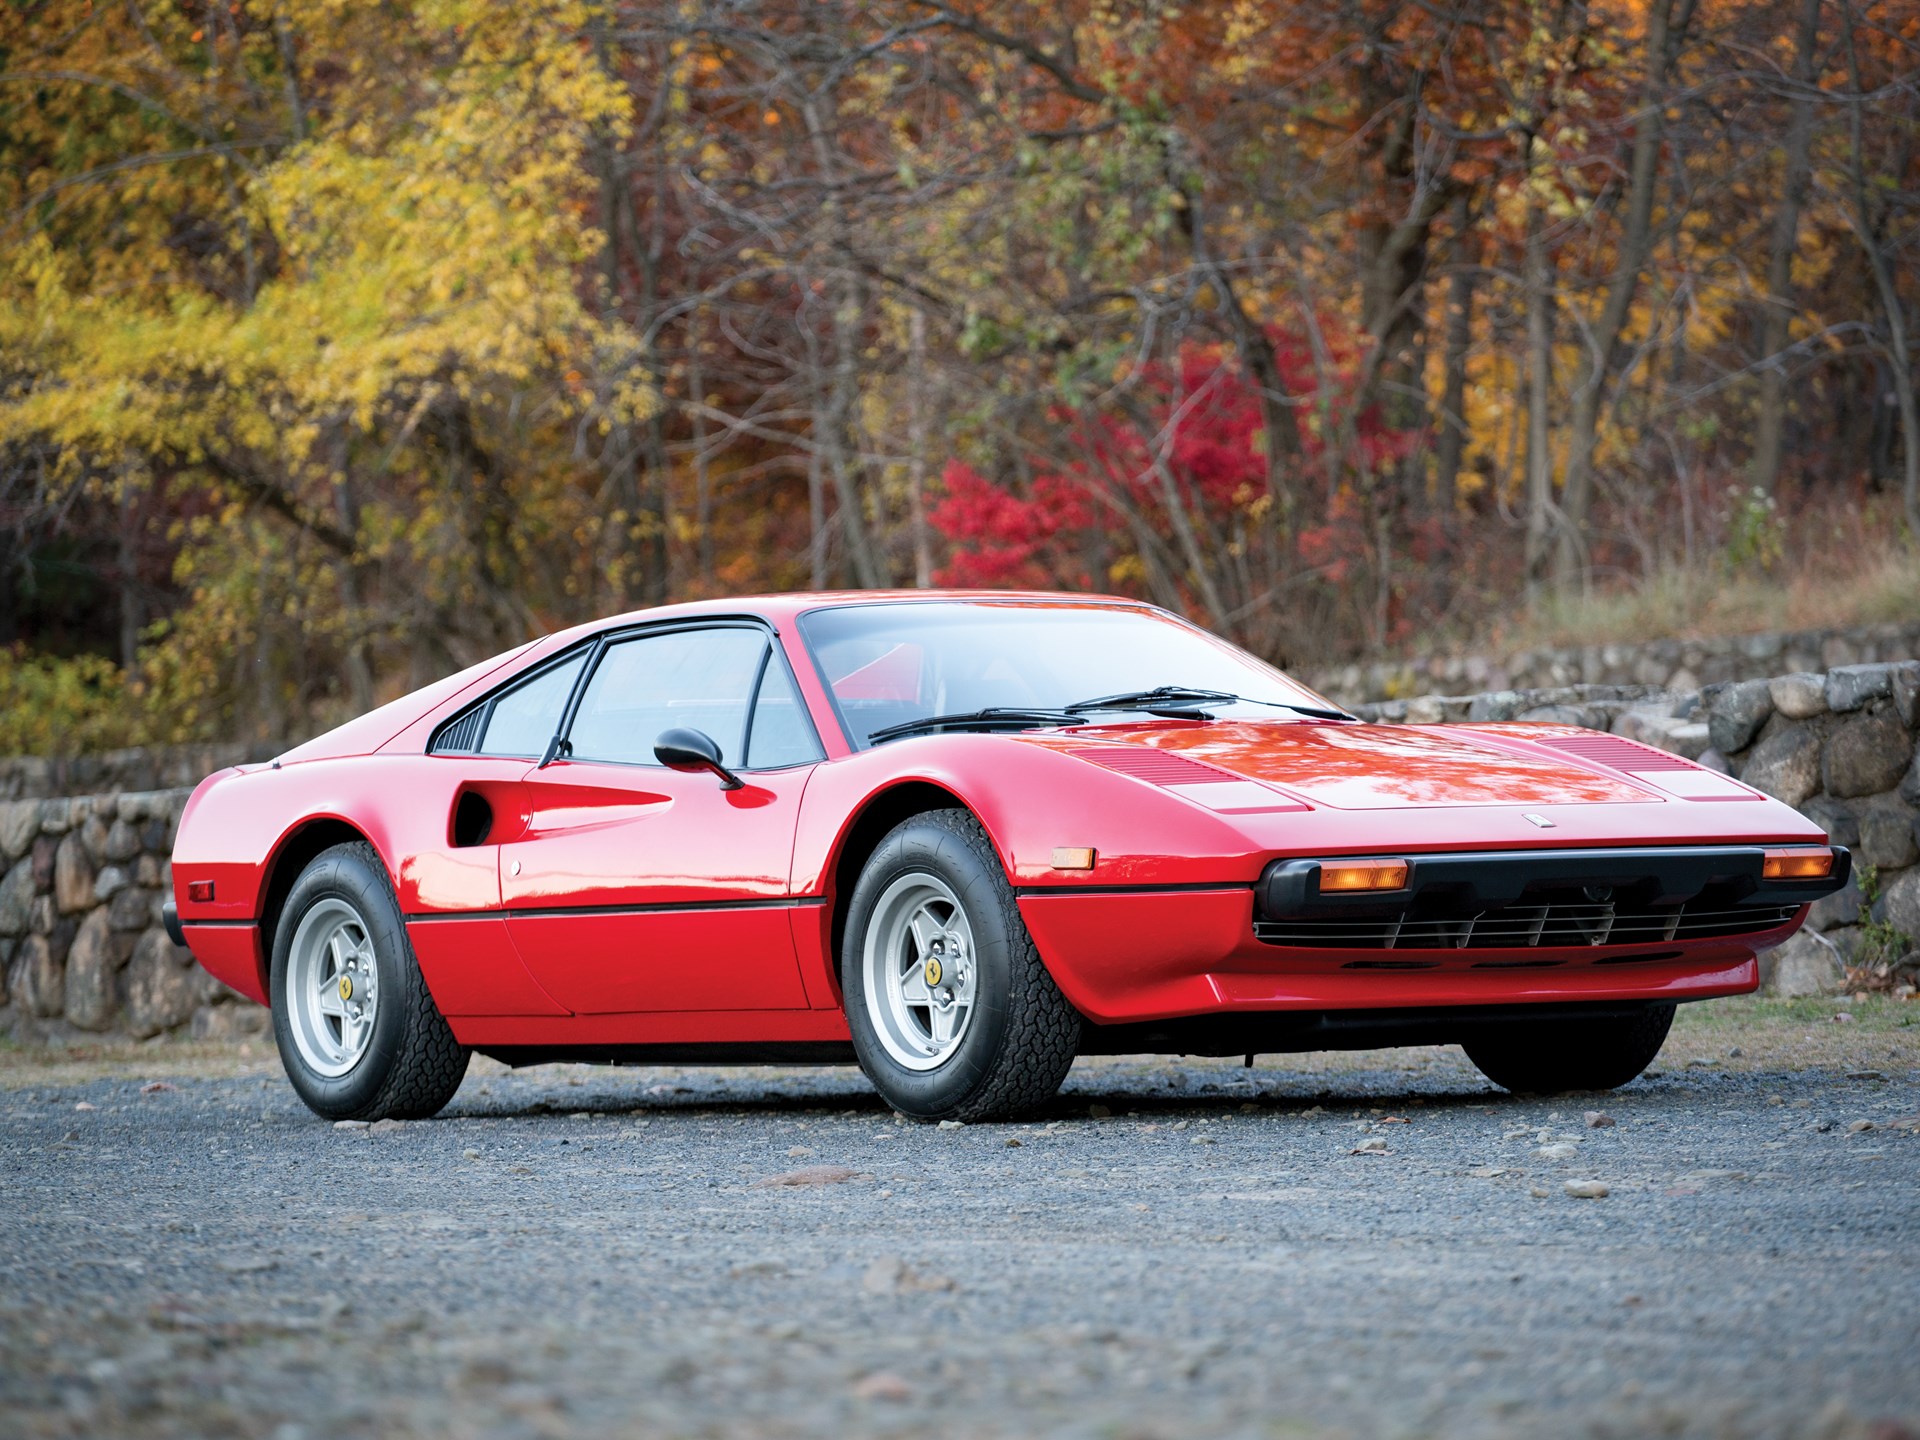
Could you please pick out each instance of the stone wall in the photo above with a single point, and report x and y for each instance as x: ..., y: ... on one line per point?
x: 39, y: 777
x: 1838, y: 746
x: 81, y: 879
x: 1676, y: 665
x: 81, y: 943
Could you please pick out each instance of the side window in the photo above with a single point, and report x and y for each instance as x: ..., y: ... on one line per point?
x: 696, y: 679
x: 781, y: 733
x: 525, y: 718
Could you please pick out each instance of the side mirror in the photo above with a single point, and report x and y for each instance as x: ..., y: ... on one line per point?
x: 693, y: 750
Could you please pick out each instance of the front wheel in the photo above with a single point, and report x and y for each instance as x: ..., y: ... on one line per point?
x: 953, y: 1014
x: 359, y: 1034
x: 1554, y: 1055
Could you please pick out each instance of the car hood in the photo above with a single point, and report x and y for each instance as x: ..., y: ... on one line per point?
x: 1380, y: 767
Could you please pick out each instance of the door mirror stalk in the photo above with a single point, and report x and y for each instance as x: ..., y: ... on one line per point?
x: 557, y: 749
x: 693, y: 750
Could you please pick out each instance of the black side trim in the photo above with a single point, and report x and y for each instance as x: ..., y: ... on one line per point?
x: 797, y: 902
x: 216, y: 924
x: 758, y: 1052
x: 1023, y: 891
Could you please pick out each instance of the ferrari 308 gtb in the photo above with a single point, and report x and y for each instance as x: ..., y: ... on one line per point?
x: 961, y: 838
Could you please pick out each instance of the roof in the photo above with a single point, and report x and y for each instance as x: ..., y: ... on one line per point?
x: 792, y: 604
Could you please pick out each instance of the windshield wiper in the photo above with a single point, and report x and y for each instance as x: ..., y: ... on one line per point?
x: 1182, y: 699
x: 995, y: 717
x: 1160, y: 697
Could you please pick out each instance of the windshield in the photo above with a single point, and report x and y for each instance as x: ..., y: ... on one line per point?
x: 890, y: 663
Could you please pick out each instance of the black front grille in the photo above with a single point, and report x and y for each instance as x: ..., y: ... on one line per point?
x: 1553, y: 923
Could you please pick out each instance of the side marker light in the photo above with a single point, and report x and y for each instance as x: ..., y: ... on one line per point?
x: 1072, y: 857
x: 200, y: 891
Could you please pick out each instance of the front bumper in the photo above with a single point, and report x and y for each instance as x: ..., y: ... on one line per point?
x: 1128, y: 956
x: 1541, y: 899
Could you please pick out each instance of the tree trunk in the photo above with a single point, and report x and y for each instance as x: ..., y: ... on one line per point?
x: 1541, y: 512
x: 1450, y: 449
x: 1866, y: 230
x: 1771, y: 421
x: 1667, y: 24
x: 917, y: 443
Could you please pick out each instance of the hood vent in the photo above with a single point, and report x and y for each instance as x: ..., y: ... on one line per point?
x: 1156, y: 767
x: 1611, y: 750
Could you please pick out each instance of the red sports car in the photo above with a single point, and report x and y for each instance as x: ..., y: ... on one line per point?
x: 961, y: 838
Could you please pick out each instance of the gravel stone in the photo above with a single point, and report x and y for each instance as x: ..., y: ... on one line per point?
x: 175, y: 1268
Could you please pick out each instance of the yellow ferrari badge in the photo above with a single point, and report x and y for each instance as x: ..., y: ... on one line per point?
x: 934, y: 972
x: 346, y: 987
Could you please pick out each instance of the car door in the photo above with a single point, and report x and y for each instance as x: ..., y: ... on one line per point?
x: 638, y: 888
x: 466, y: 796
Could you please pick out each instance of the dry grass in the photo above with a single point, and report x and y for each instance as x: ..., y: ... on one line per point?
x: 1878, y: 586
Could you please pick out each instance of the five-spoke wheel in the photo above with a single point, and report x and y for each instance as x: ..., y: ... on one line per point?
x: 953, y: 1015
x: 333, y: 987
x: 355, y: 1023
x: 919, y: 970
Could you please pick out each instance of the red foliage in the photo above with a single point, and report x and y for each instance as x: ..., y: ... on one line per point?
x: 1196, y: 444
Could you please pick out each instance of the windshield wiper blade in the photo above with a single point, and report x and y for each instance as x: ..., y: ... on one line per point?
x: 1180, y: 700
x: 1159, y: 696
x: 994, y: 717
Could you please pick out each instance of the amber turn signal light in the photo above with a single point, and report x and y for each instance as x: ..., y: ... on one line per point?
x: 1072, y: 857
x: 1797, y: 864
x: 1363, y: 875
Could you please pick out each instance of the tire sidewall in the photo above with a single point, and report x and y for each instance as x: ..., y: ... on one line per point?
x: 343, y: 874
x: 920, y: 846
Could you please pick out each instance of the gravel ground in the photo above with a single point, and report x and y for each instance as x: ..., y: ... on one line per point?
x: 1376, y: 1245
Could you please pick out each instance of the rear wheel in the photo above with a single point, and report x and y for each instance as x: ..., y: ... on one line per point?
x: 953, y: 1014
x: 1554, y: 1055
x: 358, y: 1032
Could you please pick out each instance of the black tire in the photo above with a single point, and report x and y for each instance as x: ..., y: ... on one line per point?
x: 1023, y: 1034
x: 412, y: 1064
x: 1556, y: 1055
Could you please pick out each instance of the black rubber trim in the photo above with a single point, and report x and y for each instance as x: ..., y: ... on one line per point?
x: 215, y: 924
x: 1024, y: 891
x: 798, y: 902
x: 170, y: 917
